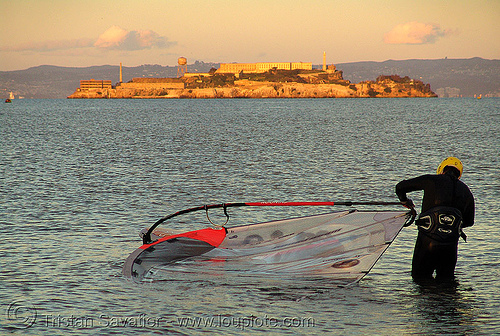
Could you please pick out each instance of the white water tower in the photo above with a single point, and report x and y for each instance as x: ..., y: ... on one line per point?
x: 182, y: 66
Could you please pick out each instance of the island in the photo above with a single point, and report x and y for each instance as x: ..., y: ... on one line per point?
x: 274, y: 82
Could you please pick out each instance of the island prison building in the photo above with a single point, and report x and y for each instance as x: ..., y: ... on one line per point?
x: 262, y: 67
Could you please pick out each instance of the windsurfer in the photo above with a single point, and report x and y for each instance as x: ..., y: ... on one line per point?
x: 447, y: 207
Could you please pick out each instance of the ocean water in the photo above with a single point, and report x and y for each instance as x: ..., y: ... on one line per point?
x: 80, y: 178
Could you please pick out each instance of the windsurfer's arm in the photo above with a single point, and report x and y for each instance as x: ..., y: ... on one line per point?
x: 407, y: 186
x: 469, y: 211
x: 402, y: 188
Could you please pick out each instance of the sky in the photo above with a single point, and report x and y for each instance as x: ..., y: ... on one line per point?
x: 135, y: 32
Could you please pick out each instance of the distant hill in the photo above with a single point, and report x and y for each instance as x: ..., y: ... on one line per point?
x: 447, y: 77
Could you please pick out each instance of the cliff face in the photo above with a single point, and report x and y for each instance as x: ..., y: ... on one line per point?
x: 297, y: 86
x: 301, y: 90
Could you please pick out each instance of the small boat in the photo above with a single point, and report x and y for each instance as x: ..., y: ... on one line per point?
x: 8, y: 100
x: 341, y: 245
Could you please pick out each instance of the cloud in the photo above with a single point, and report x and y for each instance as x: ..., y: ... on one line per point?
x: 120, y: 39
x: 115, y: 38
x: 415, y: 33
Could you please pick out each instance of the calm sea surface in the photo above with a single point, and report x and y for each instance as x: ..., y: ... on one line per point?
x: 80, y: 178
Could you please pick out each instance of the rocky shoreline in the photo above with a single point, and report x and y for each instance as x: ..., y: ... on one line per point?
x: 299, y: 87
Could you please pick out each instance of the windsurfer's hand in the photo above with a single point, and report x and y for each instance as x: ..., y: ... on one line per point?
x: 408, y: 204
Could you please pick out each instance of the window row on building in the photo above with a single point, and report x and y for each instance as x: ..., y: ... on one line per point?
x: 95, y: 84
x: 263, y: 67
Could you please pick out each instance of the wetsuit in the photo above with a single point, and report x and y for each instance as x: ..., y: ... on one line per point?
x: 436, y: 248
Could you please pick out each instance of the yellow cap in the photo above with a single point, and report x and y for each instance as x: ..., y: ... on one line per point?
x: 452, y: 162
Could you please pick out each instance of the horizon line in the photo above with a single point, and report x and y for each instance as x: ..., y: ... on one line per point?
x: 319, y: 64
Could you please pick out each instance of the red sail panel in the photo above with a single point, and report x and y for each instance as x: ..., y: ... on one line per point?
x: 211, y: 236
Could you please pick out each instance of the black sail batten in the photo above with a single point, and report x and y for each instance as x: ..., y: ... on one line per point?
x: 146, y: 239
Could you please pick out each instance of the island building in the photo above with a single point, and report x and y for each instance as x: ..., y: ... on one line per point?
x: 262, y: 67
x: 141, y: 83
x: 95, y: 84
x: 152, y: 83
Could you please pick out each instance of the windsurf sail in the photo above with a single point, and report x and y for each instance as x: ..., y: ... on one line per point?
x: 343, y: 245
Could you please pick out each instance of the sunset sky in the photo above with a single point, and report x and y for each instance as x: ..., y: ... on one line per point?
x: 90, y: 32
